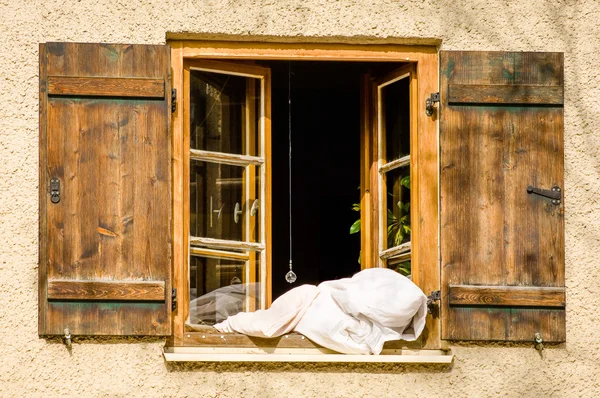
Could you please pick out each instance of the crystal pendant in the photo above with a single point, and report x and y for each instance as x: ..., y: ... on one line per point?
x: 290, y: 276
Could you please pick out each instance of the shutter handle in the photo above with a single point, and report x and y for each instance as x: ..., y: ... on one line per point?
x: 55, y: 190
x: 554, y: 193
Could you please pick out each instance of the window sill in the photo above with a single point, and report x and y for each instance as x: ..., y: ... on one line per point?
x: 223, y: 354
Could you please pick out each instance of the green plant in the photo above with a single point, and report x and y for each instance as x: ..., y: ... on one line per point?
x: 398, y: 227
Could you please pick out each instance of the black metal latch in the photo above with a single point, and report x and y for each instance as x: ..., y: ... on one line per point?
x: 173, y: 100
x: 554, y: 193
x: 435, y: 97
x: 173, y: 299
x: 55, y: 190
x: 436, y: 295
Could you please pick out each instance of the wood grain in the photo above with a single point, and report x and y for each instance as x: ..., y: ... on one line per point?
x: 506, y: 296
x: 395, y: 251
x: 395, y: 164
x: 225, y: 158
x: 425, y: 220
x: 505, y: 94
x: 226, y: 244
x: 113, y: 221
x: 106, y: 290
x: 366, y: 161
x: 492, y: 232
x: 106, y: 87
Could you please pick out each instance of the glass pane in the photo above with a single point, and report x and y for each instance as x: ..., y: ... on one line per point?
x: 221, y: 202
x: 398, y: 206
x: 220, y: 288
x: 396, y: 115
x: 401, y: 267
x: 224, y: 113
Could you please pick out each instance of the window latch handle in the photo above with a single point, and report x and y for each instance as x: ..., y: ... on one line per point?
x: 237, y: 212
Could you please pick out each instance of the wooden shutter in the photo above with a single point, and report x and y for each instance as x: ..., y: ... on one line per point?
x: 502, y: 248
x: 105, y: 246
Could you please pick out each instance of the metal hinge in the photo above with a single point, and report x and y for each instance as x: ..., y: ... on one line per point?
x: 433, y: 98
x: 436, y: 295
x: 173, y: 299
x: 173, y: 100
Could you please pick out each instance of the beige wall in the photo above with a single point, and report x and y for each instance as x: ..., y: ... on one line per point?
x: 36, y: 367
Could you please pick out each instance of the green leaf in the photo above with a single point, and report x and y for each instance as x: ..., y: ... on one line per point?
x: 405, y: 206
x: 399, y: 237
x: 403, y: 268
x: 407, y: 229
x: 355, y: 227
x: 356, y: 206
x: 405, y: 181
x: 391, y: 218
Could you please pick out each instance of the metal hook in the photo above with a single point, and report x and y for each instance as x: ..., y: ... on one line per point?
x: 67, y: 338
x: 539, y: 342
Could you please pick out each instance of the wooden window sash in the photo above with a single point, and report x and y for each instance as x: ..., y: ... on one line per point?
x: 226, y: 158
x: 395, y: 251
x: 395, y: 164
x: 213, y: 253
x: 226, y: 244
x: 405, y: 72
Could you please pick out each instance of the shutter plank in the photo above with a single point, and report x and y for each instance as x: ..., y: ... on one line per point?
x: 501, y: 129
x: 112, y: 225
x: 106, y: 290
x: 506, y: 296
x: 105, y: 87
x: 505, y: 94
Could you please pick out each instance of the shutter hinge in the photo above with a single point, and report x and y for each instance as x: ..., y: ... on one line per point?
x: 433, y: 98
x: 436, y: 295
x: 173, y: 100
x: 173, y: 299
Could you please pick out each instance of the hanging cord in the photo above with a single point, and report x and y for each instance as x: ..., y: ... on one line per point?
x: 290, y: 276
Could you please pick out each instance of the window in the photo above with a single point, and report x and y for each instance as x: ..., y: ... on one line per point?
x: 137, y: 195
x: 373, y: 81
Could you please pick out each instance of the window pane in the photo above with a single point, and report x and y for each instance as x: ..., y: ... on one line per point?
x: 222, y: 287
x: 221, y: 201
x: 398, y: 206
x: 402, y: 267
x: 396, y: 115
x: 224, y: 113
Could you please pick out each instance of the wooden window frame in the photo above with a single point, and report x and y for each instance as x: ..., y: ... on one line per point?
x: 424, y: 168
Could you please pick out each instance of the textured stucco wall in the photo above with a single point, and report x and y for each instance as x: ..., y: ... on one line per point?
x: 35, y: 367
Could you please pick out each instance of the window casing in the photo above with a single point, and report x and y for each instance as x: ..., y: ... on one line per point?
x: 421, y: 65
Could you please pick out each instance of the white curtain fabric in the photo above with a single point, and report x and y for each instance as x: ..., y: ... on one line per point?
x: 352, y: 315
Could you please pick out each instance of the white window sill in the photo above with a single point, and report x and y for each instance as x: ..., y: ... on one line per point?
x: 224, y: 354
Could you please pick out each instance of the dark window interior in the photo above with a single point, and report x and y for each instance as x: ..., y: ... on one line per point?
x: 325, y: 169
